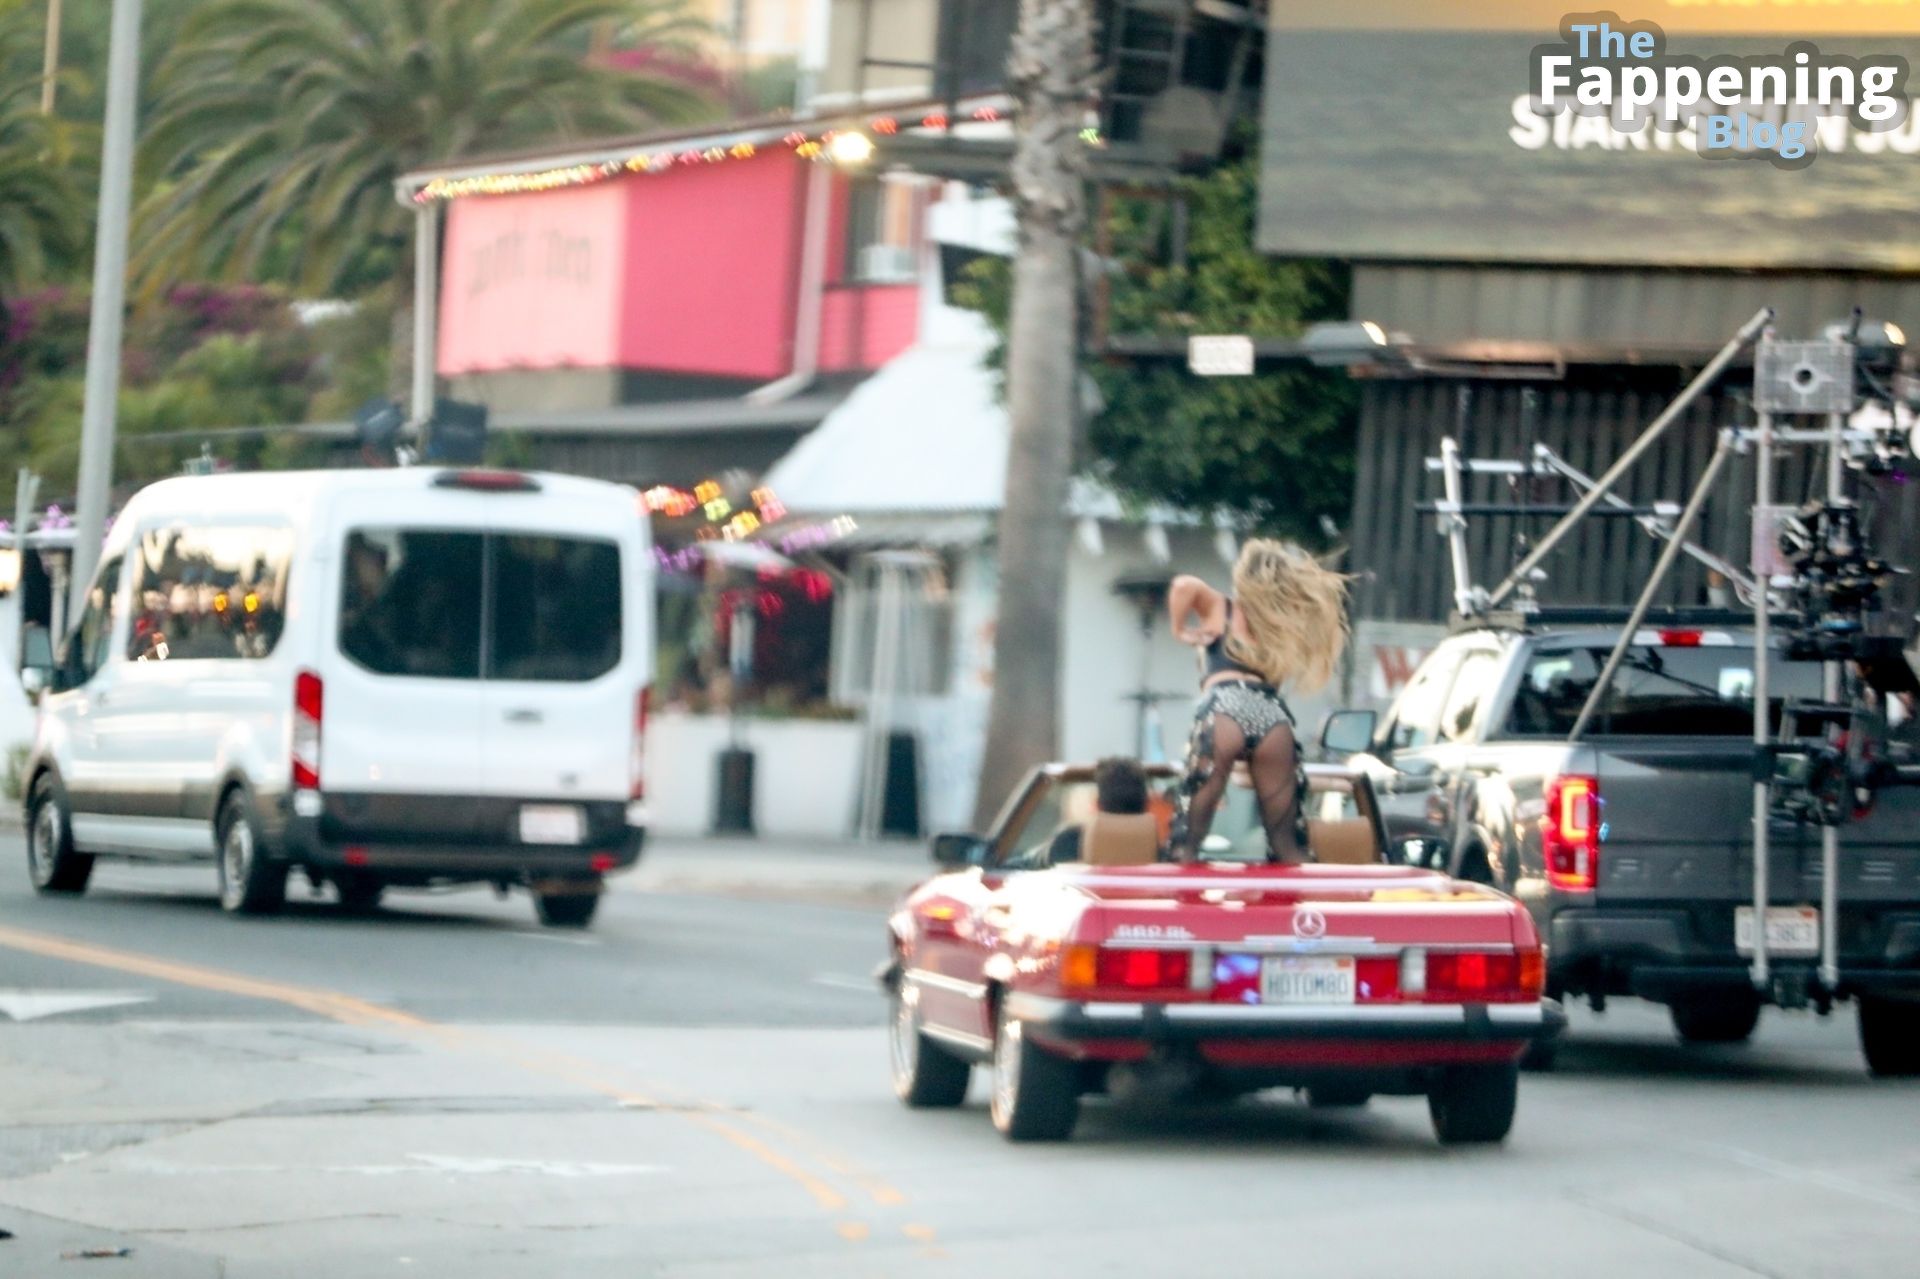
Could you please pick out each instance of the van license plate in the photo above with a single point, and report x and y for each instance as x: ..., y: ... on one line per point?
x: 1307, y: 979
x: 1791, y: 930
x: 552, y: 824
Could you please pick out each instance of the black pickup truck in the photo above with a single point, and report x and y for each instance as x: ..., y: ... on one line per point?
x: 1633, y: 847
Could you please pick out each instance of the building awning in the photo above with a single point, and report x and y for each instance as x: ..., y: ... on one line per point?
x: 686, y: 417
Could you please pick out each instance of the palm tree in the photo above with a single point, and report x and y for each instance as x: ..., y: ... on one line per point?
x: 43, y: 215
x: 280, y: 125
x: 1052, y: 75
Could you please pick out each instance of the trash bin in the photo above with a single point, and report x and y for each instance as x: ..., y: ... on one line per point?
x: 733, y: 804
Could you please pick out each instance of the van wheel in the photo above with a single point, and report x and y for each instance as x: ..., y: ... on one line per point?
x: 1716, y: 1019
x: 51, y: 861
x: 249, y: 883
x: 566, y: 910
x: 1473, y: 1105
x: 359, y: 892
x: 1890, y: 1036
x: 925, y: 1075
x: 1036, y: 1095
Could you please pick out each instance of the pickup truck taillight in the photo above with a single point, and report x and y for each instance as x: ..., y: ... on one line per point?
x: 1570, y: 833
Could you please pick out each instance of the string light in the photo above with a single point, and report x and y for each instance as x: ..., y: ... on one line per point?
x: 806, y: 146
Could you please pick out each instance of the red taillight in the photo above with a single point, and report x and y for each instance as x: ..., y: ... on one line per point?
x: 1682, y: 639
x: 485, y: 481
x: 1570, y: 833
x: 637, y: 761
x: 1476, y: 977
x: 1143, y: 969
x: 307, y: 706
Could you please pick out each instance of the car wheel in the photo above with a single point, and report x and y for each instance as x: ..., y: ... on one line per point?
x: 1036, y: 1095
x: 359, y: 893
x: 1541, y: 1055
x: 1723, y: 1019
x: 566, y: 910
x: 1890, y: 1036
x: 51, y: 862
x: 1337, y: 1096
x: 925, y: 1075
x: 250, y: 883
x: 1473, y: 1105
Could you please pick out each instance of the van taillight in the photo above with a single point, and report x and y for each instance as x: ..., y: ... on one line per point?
x: 637, y: 765
x: 307, y: 703
x: 1570, y: 833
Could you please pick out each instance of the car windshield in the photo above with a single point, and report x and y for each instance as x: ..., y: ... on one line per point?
x: 1660, y: 691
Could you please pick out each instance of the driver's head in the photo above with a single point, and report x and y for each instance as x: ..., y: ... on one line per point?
x: 1121, y: 785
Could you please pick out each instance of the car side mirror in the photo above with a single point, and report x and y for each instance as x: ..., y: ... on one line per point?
x: 957, y: 852
x: 1348, y: 733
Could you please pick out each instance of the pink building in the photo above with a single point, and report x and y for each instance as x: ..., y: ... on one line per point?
x: 667, y: 307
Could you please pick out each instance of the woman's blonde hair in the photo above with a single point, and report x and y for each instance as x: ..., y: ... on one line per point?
x: 1296, y: 614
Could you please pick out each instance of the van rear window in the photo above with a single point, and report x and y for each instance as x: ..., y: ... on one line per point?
x: 410, y: 604
x: 418, y: 602
x: 1658, y: 692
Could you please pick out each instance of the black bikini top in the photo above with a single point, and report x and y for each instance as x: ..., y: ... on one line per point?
x: 1217, y: 661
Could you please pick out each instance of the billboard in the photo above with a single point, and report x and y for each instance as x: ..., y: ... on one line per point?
x: 1410, y: 130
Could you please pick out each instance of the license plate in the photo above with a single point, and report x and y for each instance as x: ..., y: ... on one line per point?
x: 1307, y: 979
x: 1791, y: 930
x: 552, y: 824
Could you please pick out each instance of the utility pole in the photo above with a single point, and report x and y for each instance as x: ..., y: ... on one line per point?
x: 51, y: 66
x: 97, y: 419
x: 1051, y: 72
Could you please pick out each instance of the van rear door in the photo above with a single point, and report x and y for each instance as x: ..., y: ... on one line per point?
x: 566, y: 648
x: 403, y: 710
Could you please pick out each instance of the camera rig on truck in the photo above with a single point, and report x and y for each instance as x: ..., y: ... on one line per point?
x: 1816, y: 587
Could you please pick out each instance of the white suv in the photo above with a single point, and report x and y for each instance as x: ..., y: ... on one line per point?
x: 402, y: 677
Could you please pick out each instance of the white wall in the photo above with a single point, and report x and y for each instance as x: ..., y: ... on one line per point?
x: 806, y: 775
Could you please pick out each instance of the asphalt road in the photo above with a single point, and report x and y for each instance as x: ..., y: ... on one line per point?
x: 698, y: 1087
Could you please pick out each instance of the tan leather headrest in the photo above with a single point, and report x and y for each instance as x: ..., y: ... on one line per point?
x: 1121, y: 839
x: 1344, y: 842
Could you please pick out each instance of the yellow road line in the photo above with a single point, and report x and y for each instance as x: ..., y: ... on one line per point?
x: 361, y: 1013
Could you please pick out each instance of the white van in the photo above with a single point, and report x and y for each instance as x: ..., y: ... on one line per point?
x: 380, y: 678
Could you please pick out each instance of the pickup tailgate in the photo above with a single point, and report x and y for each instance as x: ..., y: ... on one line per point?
x: 1678, y: 816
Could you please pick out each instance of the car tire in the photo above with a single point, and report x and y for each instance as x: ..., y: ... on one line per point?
x: 566, y: 910
x: 1036, y: 1095
x: 51, y: 862
x: 1337, y: 1097
x: 359, y: 893
x: 1890, y: 1036
x: 1721, y: 1019
x: 250, y: 882
x: 1473, y: 1105
x: 925, y: 1075
x: 1540, y: 1056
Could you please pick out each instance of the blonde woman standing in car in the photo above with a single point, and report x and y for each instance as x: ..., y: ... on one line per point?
x: 1283, y: 627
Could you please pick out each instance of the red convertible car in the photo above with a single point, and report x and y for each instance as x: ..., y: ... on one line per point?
x: 1062, y: 953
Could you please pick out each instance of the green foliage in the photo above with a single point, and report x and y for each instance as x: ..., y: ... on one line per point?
x: 1273, y: 452
x: 44, y: 213
x: 202, y: 360
x: 281, y: 125
x: 13, y: 783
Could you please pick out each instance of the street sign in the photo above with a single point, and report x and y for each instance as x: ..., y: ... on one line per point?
x: 1224, y: 356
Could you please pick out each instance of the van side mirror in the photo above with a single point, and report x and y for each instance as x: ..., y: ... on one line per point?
x: 1348, y: 733
x: 957, y: 852
x: 36, y: 661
